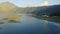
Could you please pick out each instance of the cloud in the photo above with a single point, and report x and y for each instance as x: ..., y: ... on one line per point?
x: 45, y: 3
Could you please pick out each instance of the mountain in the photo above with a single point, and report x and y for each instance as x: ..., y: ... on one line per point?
x: 7, y: 7
x: 10, y: 8
x: 47, y: 9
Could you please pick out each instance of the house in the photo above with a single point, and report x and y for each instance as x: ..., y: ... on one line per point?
x: 45, y: 15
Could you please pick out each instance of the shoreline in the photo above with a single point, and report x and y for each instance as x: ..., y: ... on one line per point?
x: 48, y: 18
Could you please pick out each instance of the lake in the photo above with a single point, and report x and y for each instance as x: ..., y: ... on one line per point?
x: 30, y: 25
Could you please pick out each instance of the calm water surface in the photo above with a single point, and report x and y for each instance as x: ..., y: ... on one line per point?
x: 30, y: 25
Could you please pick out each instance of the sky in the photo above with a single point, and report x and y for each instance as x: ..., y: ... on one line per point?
x: 32, y: 3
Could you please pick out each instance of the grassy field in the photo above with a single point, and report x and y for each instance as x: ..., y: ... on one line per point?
x: 48, y: 18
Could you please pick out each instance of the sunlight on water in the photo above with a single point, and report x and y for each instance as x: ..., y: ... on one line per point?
x: 45, y: 21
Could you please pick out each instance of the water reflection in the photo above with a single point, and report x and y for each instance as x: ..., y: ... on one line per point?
x: 6, y: 24
x: 1, y: 28
x: 11, y: 19
x: 1, y: 22
x: 28, y: 25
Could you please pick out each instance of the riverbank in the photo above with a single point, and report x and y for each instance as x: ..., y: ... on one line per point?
x: 48, y: 18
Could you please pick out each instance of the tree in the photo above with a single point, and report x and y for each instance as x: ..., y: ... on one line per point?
x: 55, y: 14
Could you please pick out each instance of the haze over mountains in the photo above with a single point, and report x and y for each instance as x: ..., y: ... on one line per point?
x: 10, y: 8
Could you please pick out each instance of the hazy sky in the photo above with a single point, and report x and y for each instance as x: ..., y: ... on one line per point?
x: 25, y: 3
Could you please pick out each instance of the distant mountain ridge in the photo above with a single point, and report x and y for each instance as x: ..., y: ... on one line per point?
x: 8, y: 7
x: 47, y: 10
